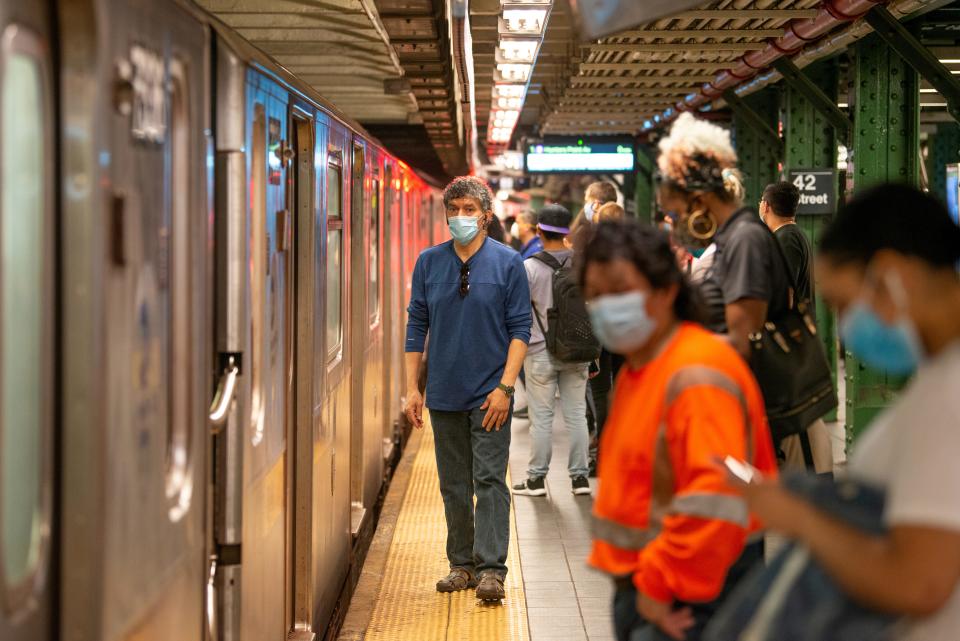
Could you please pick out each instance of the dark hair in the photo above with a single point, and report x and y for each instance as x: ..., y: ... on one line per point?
x: 495, y: 229
x: 603, y: 191
x: 783, y: 198
x: 650, y: 252
x: 554, y: 216
x: 895, y: 217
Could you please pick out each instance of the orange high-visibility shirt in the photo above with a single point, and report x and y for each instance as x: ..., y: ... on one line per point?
x: 664, y: 512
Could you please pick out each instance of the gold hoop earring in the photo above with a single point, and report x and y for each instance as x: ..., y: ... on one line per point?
x: 694, y: 221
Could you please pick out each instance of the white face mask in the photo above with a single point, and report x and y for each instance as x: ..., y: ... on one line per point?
x: 515, y: 230
x: 589, y: 210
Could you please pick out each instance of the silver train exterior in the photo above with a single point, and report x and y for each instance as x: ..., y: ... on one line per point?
x: 203, y: 284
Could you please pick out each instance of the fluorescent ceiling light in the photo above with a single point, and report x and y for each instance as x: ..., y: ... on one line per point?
x: 518, y: 50
x: 509, y: 103
x: 524, y: 20
x: 515, y: 72
x: 506, y: 114
x: 508, y: 91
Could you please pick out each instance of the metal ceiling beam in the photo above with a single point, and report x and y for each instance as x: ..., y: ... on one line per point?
x: 655, y: 66
x: 672, y: 47
x: 701, y: 33
x: 625, y: 91
x: 742, y: 14
x: 651, y: 79
x: 809, y: 90
x: 756, y: 122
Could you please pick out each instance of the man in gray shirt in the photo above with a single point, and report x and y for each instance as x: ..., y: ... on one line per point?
x: 545, y: 374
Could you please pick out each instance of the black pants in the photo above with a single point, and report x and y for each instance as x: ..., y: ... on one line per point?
x: 600, y: 388
x: 630, y: 626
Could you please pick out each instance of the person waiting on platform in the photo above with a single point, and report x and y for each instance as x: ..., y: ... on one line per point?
x: 609, y: 211
x: 888, y: 263
x: 545, y: 375
x: 666, y: 525
x: 700, y: 190
x: 471, y: 294
x: 526, y: 228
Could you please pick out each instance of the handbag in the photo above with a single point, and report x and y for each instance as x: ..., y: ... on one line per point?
x: 790, y: 365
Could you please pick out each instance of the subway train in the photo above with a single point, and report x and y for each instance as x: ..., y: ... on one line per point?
x: 204, y: 275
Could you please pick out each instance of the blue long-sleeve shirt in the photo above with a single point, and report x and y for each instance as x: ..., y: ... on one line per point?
x: 469, y: 335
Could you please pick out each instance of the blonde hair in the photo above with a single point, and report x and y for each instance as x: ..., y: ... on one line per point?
x: 698, y: 156
x: 609, y: 211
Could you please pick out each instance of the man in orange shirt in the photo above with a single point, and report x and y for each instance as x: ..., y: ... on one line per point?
x: 668, y: 528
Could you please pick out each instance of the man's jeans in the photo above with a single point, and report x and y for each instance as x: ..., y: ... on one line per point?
x: 544, y: 375
x: 471, y: 460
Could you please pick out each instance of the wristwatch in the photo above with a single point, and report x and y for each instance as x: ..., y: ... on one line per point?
x: 506, y: 389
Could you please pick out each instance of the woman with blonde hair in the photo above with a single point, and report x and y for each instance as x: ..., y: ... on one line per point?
x: 701, y: 191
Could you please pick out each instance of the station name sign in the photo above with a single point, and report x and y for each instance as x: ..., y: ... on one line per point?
x: 580, y: 155
x: 818, y: 190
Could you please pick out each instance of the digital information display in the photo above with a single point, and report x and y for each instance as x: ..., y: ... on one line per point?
x: 953, y: 192
x: 580, y: 155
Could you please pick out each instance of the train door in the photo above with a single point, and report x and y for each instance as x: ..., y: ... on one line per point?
x: 300, y: 452
x: 332, y: 496
x: 389, y: 320
x: 358, y: 336
x: 27, y: 343
x: 264, y: 610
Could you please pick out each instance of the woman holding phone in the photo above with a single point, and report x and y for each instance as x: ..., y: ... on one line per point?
x: 668, y: 528
x: 888, y: 263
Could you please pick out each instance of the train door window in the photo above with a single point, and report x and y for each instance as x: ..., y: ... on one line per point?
x: 258, y: 260
x: 373, y: 275
x: 334, y: 320
x: 180, y: 347
x: 26, y: 334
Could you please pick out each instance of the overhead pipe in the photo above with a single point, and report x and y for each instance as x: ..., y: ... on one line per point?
x: 799, y: 34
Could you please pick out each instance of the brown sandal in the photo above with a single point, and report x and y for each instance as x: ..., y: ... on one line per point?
x: 458, y: 579
x: 491, y: 587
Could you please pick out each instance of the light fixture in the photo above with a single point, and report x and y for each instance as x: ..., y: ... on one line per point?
x: 509, y: 103
x: 514, y: 72
x: 522, y: 21
x: 508, y: 91
x: 507, y: 114
x: 517, y: 51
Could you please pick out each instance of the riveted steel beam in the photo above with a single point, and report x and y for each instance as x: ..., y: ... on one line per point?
x: 819, y: 100
x: 751, y: 118
x: 917, y: 56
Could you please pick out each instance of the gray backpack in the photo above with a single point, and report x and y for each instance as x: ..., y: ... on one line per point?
x: 569, y: 336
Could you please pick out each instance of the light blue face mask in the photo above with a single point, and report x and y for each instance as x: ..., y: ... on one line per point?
x: 463, y: 228
x: 589, y: 211
x: 893, y: 348
x: 620, y: 321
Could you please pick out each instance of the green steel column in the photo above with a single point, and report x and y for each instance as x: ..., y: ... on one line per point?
x: 644, y: 197
x: 885, y: 148
x: 759, y: 161
x: 944, y: 150
x: 811, y: 142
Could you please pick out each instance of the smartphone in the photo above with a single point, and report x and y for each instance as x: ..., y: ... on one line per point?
x: 740, y: 469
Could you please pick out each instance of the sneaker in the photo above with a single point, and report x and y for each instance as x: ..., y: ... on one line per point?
x: 580, y: 485
x: 490, y: 587
x: 533, y: 486
x: 593, y: 468
x: 458, y: 579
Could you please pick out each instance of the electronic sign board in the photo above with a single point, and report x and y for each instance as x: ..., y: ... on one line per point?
x: 580, y: 155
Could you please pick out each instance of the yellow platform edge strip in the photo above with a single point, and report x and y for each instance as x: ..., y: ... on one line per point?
x: 408, y: 606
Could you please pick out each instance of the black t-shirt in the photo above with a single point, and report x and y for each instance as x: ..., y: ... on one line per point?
x: 747, y: 265
x: 796, y: 249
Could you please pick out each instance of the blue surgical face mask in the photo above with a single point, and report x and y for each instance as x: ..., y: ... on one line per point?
x: 589, y: 210
x: 894, y: 348
x: 620, y: 321
x: 463, y: 228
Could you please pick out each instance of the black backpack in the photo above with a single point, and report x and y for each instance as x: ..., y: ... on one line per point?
x: 569, y: 336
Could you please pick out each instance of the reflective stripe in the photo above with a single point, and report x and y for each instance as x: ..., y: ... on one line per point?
x: 694, y: 375
x: 722, y: 507
x: 622, y: 536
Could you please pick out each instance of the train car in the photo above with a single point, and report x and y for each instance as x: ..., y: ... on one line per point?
x: 205, y: 272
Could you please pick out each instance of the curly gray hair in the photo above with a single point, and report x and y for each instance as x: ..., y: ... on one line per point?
x: 469, y: 187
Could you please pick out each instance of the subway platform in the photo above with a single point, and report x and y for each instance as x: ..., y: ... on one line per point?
x: 552, y: 595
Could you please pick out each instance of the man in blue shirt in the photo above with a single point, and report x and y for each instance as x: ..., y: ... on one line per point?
x: 471, y: 294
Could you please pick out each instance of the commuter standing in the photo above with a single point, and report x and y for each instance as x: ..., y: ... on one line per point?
x: 545, y: 375
x: 471, y: 294
x: 667, y: 527
x: 700, y: 189
x: 530, y: 242
x: 888, y: 264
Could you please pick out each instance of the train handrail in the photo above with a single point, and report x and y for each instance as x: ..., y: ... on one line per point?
x: 224, y: 396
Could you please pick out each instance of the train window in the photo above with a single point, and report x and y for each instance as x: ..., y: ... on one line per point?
x: 334, y: 318
x: 180, y: 347
x: 373, y: 276
x: 26, y: 336
x: 258, y: 269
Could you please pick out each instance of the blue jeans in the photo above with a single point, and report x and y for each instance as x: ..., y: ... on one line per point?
x: 472, y: 461
x: 544, y: 375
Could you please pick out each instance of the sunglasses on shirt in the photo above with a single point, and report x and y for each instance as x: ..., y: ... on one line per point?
x: 464, y: 283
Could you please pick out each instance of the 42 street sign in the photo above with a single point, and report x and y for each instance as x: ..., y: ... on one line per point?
x: 818, y: 190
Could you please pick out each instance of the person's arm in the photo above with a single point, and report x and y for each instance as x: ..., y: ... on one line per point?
x: 704, y: 530
x: 911, y: 571
x: 744, y: 317
x: 418, y: 324
x: 794, y: 252
x: 518, y: 320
